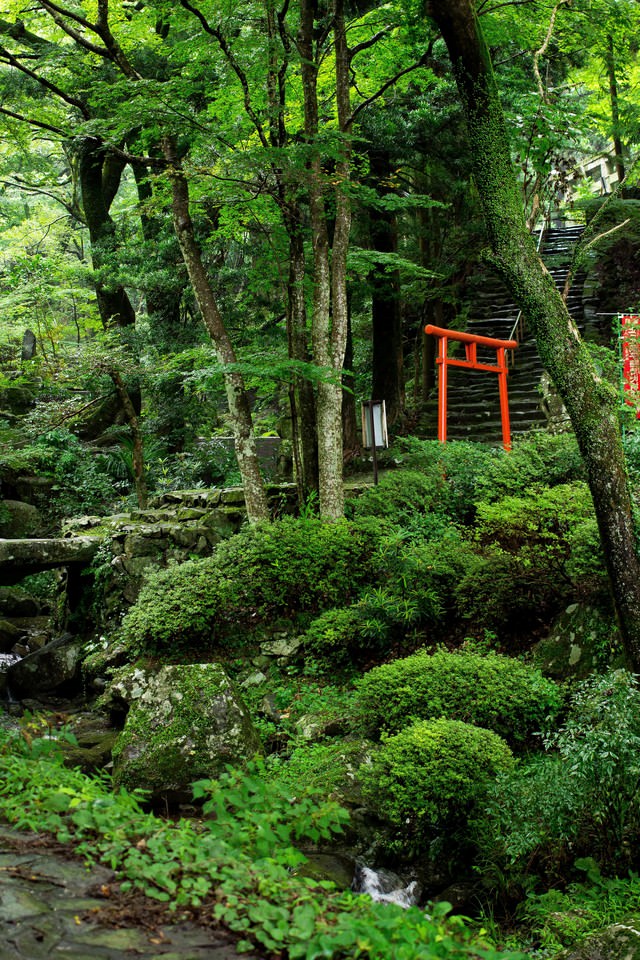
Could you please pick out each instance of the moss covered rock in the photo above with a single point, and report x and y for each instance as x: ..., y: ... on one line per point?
x: 618, y: 942
x: 186, y: 725
x: 582, y: 639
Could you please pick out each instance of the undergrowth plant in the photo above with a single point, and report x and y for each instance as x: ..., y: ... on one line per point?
x: 287, y: 570
x: 430, y: 776
x: 236, y: 865
x: 581, y: 798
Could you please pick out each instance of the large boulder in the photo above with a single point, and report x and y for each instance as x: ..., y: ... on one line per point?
x: 186, y: 725
x: 15, y: 602
x: 582, y: 639
x: 54, y: 666
x: 19, y: 520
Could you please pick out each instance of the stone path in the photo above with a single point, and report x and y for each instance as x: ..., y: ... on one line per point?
x: 52, y: 907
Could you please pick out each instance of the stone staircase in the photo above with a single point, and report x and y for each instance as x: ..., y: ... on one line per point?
x: 473, y: 403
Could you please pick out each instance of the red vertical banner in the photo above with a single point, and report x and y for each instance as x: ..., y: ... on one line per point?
x: 630, y: 327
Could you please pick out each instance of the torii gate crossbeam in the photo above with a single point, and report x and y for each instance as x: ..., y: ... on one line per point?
x: 471, y: 343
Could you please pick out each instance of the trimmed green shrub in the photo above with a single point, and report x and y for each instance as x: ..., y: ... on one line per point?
x: 368, y: 628
x: 289, y: 569
x: 431, y: 775
x: 405, y: 497
x: 554, y: 529
x: 488, y: 690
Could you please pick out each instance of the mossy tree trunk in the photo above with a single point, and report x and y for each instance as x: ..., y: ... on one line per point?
x: 591, y: 403
x: 137, y: 446
x: 99, y: 174
x: 301, y: 394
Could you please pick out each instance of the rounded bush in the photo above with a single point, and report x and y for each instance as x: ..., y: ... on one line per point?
x: 431, y: 775
x: 488, y: 690
x: 286, y: 569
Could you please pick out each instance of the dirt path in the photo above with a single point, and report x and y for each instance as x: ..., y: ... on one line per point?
x: 52, y: 907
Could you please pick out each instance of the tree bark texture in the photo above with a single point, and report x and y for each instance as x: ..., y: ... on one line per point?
x: 302, y: 396
x: 615, y: 108
x: 386, y: 318
x: 137, y: 448
x: 330, y: 306
x: 591, y: 403
x: 99, y: 177
x: 239, y: 407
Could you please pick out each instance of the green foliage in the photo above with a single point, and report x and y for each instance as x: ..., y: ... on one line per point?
x: 80, y: 485
x: 400, y: 495
x: 534, y: 553
x: 340, y: 637
x: 582, y: 797
x: 326, y: 766
x: 473, y: 472
x: 235, y: 865
x: 557, y: 919
x: 488, y: 690
x: 430, y: 776
x: 417, y: 585
x: 288, y: 569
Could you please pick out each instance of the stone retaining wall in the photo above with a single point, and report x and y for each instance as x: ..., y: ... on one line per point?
x: 180, y: 525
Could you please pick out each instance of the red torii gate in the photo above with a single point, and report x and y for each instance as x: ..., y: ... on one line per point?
x: 630, y: 333
x: 471, y: 342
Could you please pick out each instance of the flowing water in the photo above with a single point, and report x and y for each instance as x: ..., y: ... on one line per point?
x: 386, y: 886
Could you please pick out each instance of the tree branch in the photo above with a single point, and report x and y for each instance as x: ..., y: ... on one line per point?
x: 72, y: 101
x: 543, y: 49
x: 422, y: 62
x: 235, y: 66
x: 34, y: 123
x: 365, y: 44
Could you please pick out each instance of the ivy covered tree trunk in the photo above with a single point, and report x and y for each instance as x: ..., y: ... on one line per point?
x: 239, y: 407
x: 591, y: 403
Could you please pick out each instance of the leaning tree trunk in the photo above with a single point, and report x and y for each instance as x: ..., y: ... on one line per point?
x: 591, y: 403
x: 239, y: 408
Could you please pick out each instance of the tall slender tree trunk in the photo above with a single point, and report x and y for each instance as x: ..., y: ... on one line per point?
x: 330, y: 306
x: 301, y: 394
x: 137, y: 447
x: 351, y: 428
x: 591, y: 403
x: 386, y: 318
x: 610, y: 59
x: 239, y: 407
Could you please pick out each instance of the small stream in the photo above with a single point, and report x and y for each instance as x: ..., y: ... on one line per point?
x: 385, y: 886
